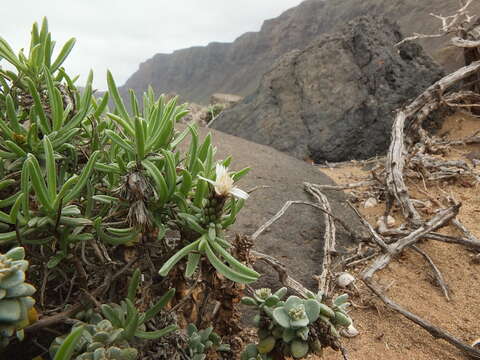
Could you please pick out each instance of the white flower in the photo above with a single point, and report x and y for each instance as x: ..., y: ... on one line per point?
x: 223, y: 183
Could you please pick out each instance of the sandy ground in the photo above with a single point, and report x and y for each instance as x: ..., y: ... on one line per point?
x: 385, y: 334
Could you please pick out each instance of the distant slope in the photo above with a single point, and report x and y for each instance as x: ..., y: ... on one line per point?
x: 195, y: 73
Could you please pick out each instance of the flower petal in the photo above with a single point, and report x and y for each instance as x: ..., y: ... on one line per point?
x: 239, y: 193
x: 208, y: 180
x: 220, y: 171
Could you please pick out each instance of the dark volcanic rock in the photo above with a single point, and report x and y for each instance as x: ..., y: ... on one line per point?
x: 195, y: 73
x: 296, y: 238
x: 335, y: 99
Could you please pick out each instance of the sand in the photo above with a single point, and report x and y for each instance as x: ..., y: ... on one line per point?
x: 385, y: 334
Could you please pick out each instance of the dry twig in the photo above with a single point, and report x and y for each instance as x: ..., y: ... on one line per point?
x: 436, y: 271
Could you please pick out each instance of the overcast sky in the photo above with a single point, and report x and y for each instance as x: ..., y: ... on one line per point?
x: 119, y: 34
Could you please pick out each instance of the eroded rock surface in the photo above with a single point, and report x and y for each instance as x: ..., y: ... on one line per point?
x: 335, y: 100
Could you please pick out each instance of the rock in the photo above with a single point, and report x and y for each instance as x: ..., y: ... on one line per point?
x: 296, y: 239
x: 370, y: 203
x: 350, y: 332
x: 228, y: 100
x: 389, y: 223
x: 197, y: 113
x: 345, y: 279
x: 334, y: 100
x: 476, y: 344
x: 197, y: 72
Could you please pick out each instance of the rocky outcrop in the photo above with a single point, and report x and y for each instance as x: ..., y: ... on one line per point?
x: 227, y: 100
x: 195, y: 73
x: 335, y: 99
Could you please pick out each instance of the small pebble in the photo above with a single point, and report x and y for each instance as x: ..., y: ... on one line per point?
x: 476, y: 344
x: 370, y: 203
x: 345, y: 279
x: 390, y: 221
x: 350, y: 332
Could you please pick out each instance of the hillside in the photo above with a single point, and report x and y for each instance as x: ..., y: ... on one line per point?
x: 195, y: 73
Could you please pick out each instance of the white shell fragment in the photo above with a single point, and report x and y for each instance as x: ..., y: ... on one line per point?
x: 345, y: 279
x: 389, y: 223
x: 370, y: 203
x: 350, y: 332
x: 476, y: 344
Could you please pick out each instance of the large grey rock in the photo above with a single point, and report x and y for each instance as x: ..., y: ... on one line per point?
x: 335, y: 99
x: 296, y: 238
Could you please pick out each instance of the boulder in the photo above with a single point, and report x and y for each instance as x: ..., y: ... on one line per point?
x: 197, y: 114
x: 335, y: 99
x: 296, y: 238
x: 228, y: 100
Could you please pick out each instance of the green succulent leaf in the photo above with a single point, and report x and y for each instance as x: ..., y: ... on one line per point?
x: 170, y: 263
x: 312, y: 309
x: 280, y: 315
x: 153, y: 335
x: 65, y: 351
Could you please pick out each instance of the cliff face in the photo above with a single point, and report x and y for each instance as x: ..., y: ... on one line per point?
x: 335, y: 99
x: 195, y: 73
x: 237, y: 67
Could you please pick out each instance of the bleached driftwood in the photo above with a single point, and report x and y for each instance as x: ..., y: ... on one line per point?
x: 415, y: 113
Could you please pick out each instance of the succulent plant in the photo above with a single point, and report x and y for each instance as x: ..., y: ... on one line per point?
x: 201, y: 341
x: 290, y: 327
x: 110, y: 338
x: 16, y: 302
x: 251, y: 353
x: 110, y: 353
x: 101, y: 341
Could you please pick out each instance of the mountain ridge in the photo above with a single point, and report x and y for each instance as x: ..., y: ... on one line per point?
x: 196, y: 72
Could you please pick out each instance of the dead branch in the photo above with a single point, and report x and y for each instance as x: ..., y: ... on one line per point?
x: 346, y: 186
x: 463, y: 43
x: 395, y: 167
x: 450, y: 24
x: 436, y: 332
x: 340, y: 164
x: 441, y: 219
x: 285, y: 279
x: 378, y: 239
x: 285, y: 207
x: 459, y: 225
x: 436, y: 271
x: 416, y: 112
x: 469, y: 243
x: 57, y: 318
x: 330, y: 241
